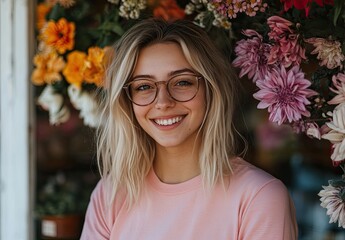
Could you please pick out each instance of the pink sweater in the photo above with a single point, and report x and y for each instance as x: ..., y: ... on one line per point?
x: 254, y: 206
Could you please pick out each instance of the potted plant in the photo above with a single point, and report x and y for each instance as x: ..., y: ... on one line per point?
x: 60, y: 208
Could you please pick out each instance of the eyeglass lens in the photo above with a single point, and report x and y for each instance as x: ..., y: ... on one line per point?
x: 181, y: 88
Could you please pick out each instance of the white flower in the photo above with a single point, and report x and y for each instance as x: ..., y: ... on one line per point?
x: 86, y: 104
x: 131, y: 9
x: 332, y: 200
x: 337, y: 133
x: 313, y: 130
x: 53, y: 102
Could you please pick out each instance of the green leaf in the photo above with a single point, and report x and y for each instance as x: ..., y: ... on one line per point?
x: 56, y: 13
x: 338, y: 6
x: 118, y: 29
x: 337, y: 183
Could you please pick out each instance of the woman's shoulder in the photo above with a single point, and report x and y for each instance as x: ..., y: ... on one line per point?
x: 249, y: 178
x: 101, y: 197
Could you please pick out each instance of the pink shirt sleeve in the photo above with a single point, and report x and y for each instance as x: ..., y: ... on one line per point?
x: 96, y: 226
x: 269, y: 215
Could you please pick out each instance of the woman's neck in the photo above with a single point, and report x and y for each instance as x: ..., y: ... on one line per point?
x: 176, y: 165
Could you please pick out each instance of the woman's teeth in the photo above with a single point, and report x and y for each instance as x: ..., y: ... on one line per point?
x: 167, y: 122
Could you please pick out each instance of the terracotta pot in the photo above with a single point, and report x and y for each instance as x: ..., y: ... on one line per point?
x: 61, y: 226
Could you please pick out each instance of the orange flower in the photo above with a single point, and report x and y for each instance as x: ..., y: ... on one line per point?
x: 48, y: 68
x: 73, y: 70
x: 95, y: 66
x: 42, y: 11
x: 59, y: 35
x: 167, y: 9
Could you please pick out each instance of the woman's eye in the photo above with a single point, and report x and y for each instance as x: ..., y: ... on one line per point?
x: 184, y: 83
x: 143, y: 87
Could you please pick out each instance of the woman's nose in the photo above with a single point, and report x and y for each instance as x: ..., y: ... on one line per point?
x: 163, y: 99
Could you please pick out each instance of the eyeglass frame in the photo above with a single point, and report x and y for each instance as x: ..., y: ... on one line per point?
x: 127, y: 85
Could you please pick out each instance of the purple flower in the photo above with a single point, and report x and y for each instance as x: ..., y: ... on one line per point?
x: 252, y: 55
x: 285, y: 94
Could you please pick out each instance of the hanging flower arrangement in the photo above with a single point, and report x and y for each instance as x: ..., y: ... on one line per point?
x: 270, y: 43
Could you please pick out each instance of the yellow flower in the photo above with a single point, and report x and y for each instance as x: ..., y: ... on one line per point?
x: 48, y: 68
x: 42, y: 11
x: 59, y: 35
x: 94, y: 66
x: 74, y: 67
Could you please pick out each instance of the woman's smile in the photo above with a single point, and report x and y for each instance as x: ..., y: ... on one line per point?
x: 168, y: 121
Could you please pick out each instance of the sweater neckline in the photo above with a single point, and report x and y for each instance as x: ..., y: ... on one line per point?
x: 178, y: 188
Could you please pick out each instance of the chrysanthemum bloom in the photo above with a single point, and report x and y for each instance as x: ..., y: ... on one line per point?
x: 48, y: 68
x: 287, y: 52
x: 74, y: 67
x: 286, y: 49
x: 337, y: 134
x: 252, y: 55
x: 328, y: 51
x: 42, y: 10
x: 94, y: 66
x: 339, y: 88
x: 333, y: 199
x: 59, y: 35
x: 279, y: 26
x: 285, y: 94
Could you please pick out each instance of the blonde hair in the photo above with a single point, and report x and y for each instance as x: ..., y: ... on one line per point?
x: 125, y: 151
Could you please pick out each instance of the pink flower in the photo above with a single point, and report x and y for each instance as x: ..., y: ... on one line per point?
x: 252, y: 55
x: 285, y: 94
x: 286, y: 49
x: 279, y: 26
x: 329, y: 52
x: 339, y: 84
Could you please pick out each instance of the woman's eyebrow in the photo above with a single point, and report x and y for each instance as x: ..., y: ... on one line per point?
x: 183, y: 70
x: 170, y: 74
x: 143, y: 76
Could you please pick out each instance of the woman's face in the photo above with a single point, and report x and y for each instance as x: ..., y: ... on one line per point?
x: 169, y: 122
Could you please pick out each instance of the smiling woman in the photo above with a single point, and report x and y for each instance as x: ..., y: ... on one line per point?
x: 167, y: 154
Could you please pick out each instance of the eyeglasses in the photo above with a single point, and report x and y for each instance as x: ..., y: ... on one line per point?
x: 181, y: 88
